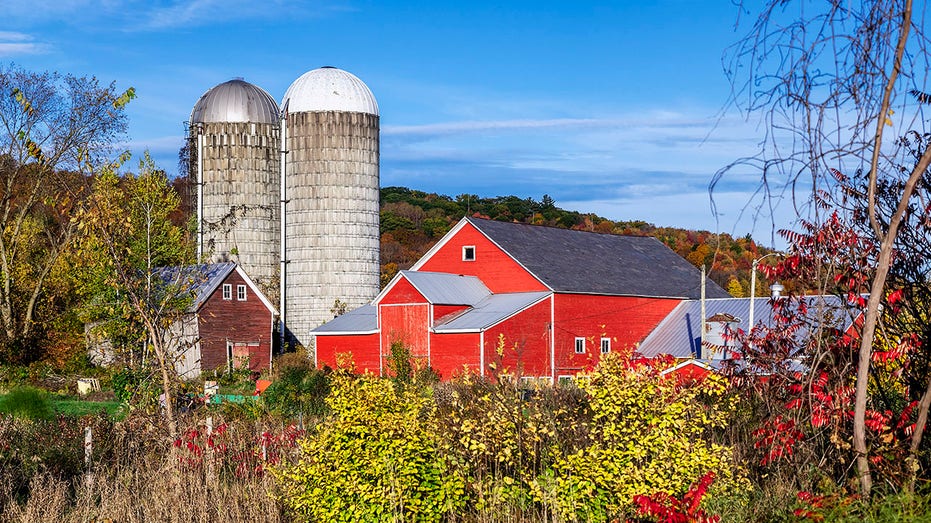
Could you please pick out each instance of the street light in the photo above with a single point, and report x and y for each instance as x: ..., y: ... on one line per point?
x: 776, y: 288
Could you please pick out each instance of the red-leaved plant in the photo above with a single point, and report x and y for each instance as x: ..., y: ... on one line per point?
x: 663, y: 507
x: 218, y: 450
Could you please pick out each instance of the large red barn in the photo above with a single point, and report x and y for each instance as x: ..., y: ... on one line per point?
x: 528, y: 300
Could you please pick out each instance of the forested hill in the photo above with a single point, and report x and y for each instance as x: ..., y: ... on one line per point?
x: 412, y: 221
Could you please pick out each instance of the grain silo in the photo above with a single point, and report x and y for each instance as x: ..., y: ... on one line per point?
x: 235, y: 149
x: 331, y: 223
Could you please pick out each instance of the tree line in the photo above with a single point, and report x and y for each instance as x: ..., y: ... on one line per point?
x: 412, y: 221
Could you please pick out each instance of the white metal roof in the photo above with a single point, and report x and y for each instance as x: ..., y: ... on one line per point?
x: 440, y: 288
x: 363, y: 320
x: 679, y: 334
x: 329, y: 89
x: 235, y: 101
x: 492, y: 310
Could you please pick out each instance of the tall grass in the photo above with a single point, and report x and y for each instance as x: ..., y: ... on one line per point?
x: 136, y: 474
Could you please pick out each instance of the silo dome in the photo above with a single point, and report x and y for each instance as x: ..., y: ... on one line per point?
x: 235, y: 152
x: 331, y: 183
x: 235, y: 101
x: 330, y: 89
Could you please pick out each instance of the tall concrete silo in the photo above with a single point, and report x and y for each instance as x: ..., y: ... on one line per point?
x: 234, y: 132
x: 331, y: 222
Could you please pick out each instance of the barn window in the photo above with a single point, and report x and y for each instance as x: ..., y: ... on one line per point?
x: 605, y: 345
x: 241, y: 292
x: 468, y: 253
x: 229, y: 352
x: 227, y: 291
x: 566, y: 380
x: 580, y: 345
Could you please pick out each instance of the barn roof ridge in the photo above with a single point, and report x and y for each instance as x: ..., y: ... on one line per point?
x: 587, y: 262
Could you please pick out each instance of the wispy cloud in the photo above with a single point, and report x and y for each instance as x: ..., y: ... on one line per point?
x: 659, y: 120
x: 159, y: 15
x: 652, y: 165
x: 14, y: 44
x: 193, y: 13
x: 480, y: 126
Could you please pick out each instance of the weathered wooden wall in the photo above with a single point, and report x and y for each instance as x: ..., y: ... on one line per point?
x: 247, y: 324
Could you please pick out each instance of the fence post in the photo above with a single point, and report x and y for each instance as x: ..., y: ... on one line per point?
x: 208, y: 451
x: 88, y: 455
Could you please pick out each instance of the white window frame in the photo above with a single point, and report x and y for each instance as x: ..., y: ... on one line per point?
x: 605, y: 345
x: 468, y: 249
x: 227, y: 291
x: 580, y: 345
x: 240, y: 293
x: 229, y: 352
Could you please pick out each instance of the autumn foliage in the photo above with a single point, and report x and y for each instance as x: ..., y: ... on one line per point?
x: 626, y: 442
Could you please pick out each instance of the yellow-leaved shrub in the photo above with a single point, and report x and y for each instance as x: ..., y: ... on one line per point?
x: 375, y: 458
x: 648, y: 434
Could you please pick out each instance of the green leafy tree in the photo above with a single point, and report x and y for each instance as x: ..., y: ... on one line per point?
x: 127, y: 238
x: 52, y: 129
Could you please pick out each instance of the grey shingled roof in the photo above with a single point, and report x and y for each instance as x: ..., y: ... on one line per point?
x: 491, y: 310
x: 440, y: 288
x: 199, y: 281
x: 592, y: 263
x: 361, y: 320
x: 679, y: 334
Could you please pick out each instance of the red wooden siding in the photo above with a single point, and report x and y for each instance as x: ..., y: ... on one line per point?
x: 526, y: 342
x: 690, y: 373
x: 246, y: 324
x: 362, y: 347
x: 626, y: 321
x: 498, y: 271
x: 452, y: 354
x: 402, y: 292
x: 407, y: 324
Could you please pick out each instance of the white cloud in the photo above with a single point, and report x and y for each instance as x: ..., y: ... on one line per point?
x: 11, y: 36
x: 618, y: 146
x: 188, y: 13
x: 14, y: 44
x: 661, y: 120
x: 159, y: 15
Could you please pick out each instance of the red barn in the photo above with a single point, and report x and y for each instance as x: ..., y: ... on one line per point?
x: 538, y: 302
x: 228, y: 324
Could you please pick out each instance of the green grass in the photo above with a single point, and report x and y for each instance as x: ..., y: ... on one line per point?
x: 43, y: 405
x: 79, y: 407
x: 26, y: 402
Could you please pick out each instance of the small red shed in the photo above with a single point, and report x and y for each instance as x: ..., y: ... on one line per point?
x: 229, y: 323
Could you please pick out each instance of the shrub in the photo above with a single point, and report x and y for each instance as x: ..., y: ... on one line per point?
x: 136, y: 388
x: 649, y: 435
x: 28, y: 403
x: 503, y: 437
x: 298, y: 390
x: 376, y: 458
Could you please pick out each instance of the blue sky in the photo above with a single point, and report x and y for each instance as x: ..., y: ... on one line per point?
x: 613, y: 107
